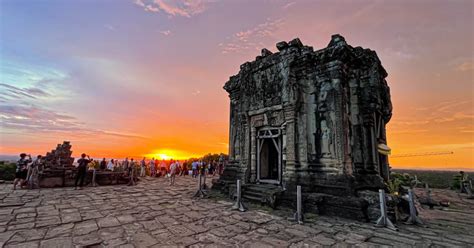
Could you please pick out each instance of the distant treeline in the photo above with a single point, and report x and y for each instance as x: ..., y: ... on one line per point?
x: 435, y: 179
x: 7, y: 170
x: 210, y: 157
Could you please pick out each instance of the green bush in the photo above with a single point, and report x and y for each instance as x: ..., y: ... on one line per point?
x: 404, y: 179
x: 456, y: 182
x: 397, y: 180
x: 435, y: 179
x: 7, y: 170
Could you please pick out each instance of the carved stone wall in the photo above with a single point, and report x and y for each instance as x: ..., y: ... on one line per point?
x: 331, y: 106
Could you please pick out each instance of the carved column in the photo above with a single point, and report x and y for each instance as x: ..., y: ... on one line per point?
x: 336, y: 80
x: 246, y: 148
x: 231, y: 130
x: 290, y: 137
x: 253, y: 154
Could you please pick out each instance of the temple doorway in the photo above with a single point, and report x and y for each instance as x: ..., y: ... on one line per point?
x: 269, y: 155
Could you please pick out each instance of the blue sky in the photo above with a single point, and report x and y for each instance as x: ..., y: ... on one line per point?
x: 144, y: 76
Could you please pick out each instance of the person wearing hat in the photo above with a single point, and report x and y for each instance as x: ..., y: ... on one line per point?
x: 82, y: 170
x: 21, y: 170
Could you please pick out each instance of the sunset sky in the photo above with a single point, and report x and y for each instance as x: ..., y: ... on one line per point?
x: 128, y: 78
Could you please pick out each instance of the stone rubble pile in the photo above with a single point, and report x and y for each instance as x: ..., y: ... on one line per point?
x: 59, y: 157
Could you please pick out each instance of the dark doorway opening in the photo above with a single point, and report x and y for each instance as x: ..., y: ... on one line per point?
x: 269, y: 160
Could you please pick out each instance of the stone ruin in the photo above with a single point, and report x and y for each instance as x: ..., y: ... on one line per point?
x: 58, y: 170
x: 59, y: 157
x: 310, y: 118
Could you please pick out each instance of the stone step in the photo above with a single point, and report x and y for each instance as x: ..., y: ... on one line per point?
x: 262, y: 187
x: 252, y: 198
x: 253, y: 193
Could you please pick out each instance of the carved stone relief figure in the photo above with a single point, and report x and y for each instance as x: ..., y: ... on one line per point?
x: 326, y: 140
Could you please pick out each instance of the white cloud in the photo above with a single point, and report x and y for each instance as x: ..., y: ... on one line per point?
x: 251, y: 39
x: 35, y: 119
x: 186, y: 8
x: 465, y: 66
x: 109, y: 27
x: 286, y: 6
x: 165, y: 32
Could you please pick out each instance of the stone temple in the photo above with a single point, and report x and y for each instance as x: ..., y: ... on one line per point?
x: 310, y: 118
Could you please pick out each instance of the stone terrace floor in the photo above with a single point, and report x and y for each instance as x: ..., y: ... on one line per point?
x: 154, y: 214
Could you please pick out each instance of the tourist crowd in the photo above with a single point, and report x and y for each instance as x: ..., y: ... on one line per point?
x: 160, y: 168
x: 28, y: 171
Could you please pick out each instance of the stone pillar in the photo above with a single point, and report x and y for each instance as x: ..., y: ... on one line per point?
x: 253, y: 154
x: 231, y: 131
x: 290, y: 151
x: 245, y: 153
x: 336, y: 81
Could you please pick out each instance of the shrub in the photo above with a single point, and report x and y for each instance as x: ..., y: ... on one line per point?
x: 456, y: 182
x: 7, y: 170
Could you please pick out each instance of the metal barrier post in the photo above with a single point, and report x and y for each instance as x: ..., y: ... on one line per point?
x: 200, y: 192
x: 238, y: 204
x: 132, y: 177
x: 413, y: 219
x: 299, y: 213
x: 428, y: 196
x: 384, y: 221
x: 94, y: 184
x: 204, y: 185
x: 469, y: 190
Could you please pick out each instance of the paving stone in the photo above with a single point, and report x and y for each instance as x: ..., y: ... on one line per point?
x: 197, y: 228
x: 143, y: 240
x: 168, y: 218
x: 162, y: 235
x: 221, y: 232
x: 21, y: 226
x: 21, y: 221
x: 132, y: 228
x: 28, y: 235
x: 70, y: 217
x: 111, y: 233
x: 152, y: 225
x: 61, y: 230
x: 6, y: 211
x: 108, y: 222
x: 24, y: 210
x: 124, y: 219
x: 119, y: 242
x: 90, y: 239
x: 48, y: 221
x: 63, y: 242
x: 304, y: 244
x: 32, y: 244
x: 323, y: 240
x: 187, y: 241
x: 25, y: 215
x: 297, y: 233
x: 214, y: 224
x: 275, y: 242
x: 257, y: 244
x: 91, y: 215
x: 85, y: 228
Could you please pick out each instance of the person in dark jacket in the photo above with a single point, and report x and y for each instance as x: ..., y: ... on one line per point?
x: 103, y: 165
x: 82, y: 170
